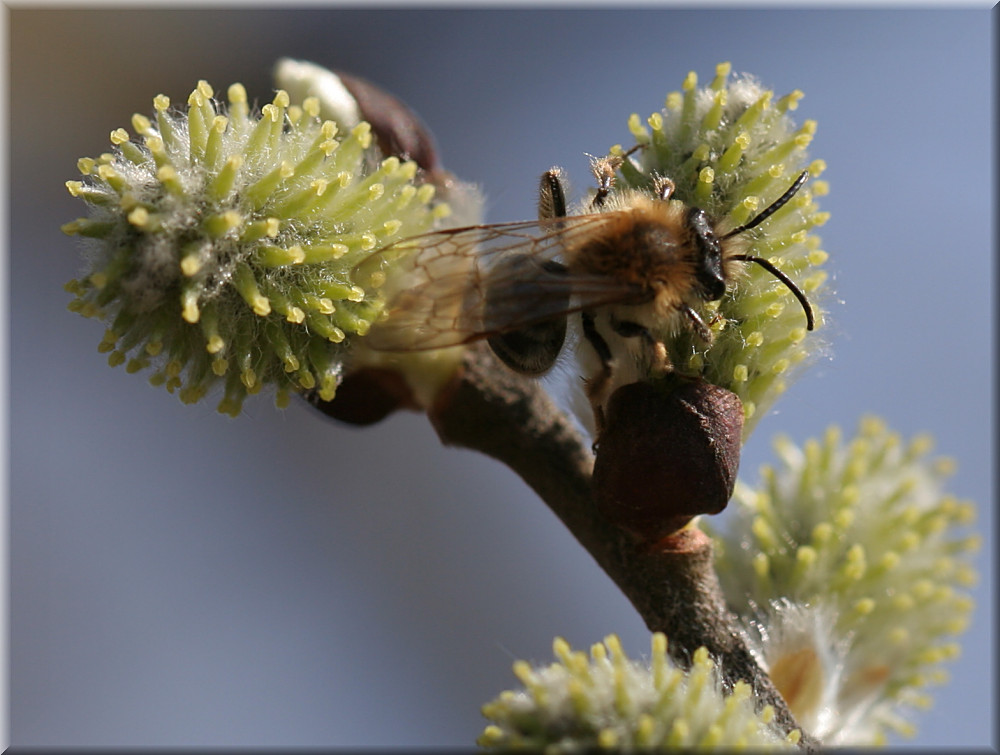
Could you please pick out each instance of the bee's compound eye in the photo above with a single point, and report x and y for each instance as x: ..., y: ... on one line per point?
x: 665, y: 456
x: 709, y: 270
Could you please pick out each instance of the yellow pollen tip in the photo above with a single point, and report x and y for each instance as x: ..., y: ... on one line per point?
x: 261, y: 306
x: 236, y: 94
x: 139, y: 217
x: 190, y: 265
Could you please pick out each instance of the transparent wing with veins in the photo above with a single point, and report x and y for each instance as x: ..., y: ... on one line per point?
x: 455, y: 286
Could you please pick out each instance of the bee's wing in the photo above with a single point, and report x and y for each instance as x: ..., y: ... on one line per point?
x: 463, y: 284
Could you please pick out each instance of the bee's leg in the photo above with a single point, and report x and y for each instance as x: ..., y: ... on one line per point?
x: 628, y: 329
x: 703, y: 331
x: 604, y: 169
x: 533, y: 349
x: 597, y: 385
x: 663, y: 187
x: 551, y: 195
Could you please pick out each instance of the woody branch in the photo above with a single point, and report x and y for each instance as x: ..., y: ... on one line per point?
x: 671, y: 583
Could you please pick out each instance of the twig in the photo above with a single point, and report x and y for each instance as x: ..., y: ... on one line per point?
x: 672, y: 585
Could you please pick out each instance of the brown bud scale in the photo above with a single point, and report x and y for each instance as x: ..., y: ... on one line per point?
x: 666, y: 456
x: 397, y: 129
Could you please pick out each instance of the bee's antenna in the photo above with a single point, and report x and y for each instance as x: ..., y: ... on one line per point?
x: 772, y: 208
x: 810, y: 321
x: 767, y: 212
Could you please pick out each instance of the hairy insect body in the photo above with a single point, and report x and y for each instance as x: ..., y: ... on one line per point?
x: 651, y: 246
x: 672, y: 260
x: 630, y: 273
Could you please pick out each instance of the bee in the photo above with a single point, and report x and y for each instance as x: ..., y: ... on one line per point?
x: 634, y: 266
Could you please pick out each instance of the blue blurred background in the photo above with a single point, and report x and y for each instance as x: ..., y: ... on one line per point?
x: 180, y: 578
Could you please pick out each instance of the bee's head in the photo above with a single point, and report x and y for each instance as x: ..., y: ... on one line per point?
x: 709, y: 270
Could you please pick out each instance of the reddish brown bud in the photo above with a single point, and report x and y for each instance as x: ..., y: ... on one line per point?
x: 397, y: 129
x: 665, y: 457
x: 366, y: 396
